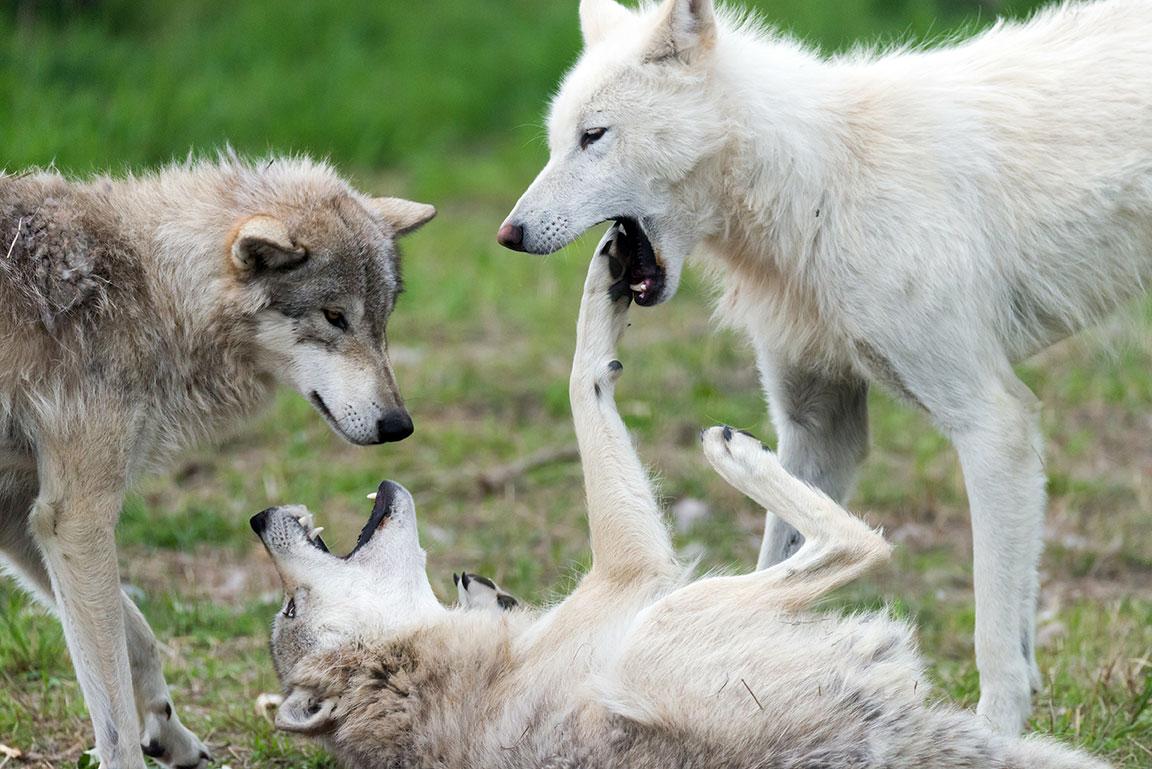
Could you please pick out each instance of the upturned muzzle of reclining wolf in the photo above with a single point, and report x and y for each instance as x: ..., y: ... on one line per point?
x: 920, y: 219
x: 137, y: 314
x: 638, y: 666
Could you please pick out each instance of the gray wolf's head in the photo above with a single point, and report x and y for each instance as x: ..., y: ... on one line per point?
x: 631, y: 122
x: 317, y: 262
x: 377, y: 590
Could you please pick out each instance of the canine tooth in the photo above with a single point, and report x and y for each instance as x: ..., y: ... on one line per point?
x: 639, y: 287
x: 315, y: 532
x: 372, y: 496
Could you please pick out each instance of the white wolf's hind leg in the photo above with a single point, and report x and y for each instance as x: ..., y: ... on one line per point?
x: 837, y: 546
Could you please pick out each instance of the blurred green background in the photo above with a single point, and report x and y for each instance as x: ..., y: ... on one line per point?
x: 443, y: 100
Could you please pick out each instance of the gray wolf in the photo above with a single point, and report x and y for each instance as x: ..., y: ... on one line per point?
x: 138, y: 314
x: 638, y: 667
x: 918, y: 219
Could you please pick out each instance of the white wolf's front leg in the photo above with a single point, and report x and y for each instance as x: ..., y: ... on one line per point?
x: 629, y: 539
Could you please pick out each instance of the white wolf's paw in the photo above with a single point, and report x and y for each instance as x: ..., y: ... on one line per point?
x: 739, y: 457
x: 1004, y: 703
x: 168, y: 742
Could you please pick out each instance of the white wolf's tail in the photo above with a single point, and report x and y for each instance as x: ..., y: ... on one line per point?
x: 1044, y: 753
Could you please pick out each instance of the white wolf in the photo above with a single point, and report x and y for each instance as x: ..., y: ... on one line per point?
x: 635, y: 669
x: 137, y: 314
x: 921, y: 219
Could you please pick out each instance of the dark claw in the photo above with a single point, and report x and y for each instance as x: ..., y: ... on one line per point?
x: 727, y: 433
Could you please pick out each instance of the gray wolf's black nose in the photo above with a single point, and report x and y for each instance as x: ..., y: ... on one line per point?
x: 394, y: 426
x: 511, y: 236
x: 259, y: 522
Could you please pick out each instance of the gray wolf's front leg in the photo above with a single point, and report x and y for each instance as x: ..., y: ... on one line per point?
x: 822, y: 424
x: 629, y: 540
x: 73, y: 522
x: 163, y: 736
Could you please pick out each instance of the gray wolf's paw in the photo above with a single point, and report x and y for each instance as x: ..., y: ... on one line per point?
x: 168, y: 742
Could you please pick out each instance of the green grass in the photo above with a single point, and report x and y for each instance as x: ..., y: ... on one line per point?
x: 445, y: 103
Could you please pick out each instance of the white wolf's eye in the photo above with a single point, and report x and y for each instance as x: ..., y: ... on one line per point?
x: 337, y: 319
x: 591, y: 136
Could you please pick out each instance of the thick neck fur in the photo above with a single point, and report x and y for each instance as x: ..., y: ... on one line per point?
x: 762, y: 202
x: 165, y: 324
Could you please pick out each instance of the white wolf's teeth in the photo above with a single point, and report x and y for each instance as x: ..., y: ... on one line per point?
x: 372, y: 496
x: 313, y: 533
x: 639, y: 287
x: 305, y: 520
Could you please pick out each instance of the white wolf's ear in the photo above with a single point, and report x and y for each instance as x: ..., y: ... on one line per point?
x: 599, y: 17
x: 263, y: 243
x: 404, y: 215
x: 685, y: 32
x: 303, y: 713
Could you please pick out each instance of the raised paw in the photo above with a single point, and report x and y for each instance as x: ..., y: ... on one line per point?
x: 604, y: 309
x: 739, y: 457
x: 168, y: 742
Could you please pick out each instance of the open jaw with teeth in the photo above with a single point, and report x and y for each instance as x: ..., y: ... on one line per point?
x: 311, y: 530
x: 643, y: 272
x: 381, y: 509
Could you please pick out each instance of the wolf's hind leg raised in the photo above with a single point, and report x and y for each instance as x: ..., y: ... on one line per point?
x: 629, y: 540
x: 837, y: 547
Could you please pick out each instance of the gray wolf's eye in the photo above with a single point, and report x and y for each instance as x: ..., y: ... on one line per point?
x: 290, y: 609
x: 591, y: 136
x: 337, y: 319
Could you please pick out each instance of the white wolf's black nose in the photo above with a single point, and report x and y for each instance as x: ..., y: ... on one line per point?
x: 394, y: 426
x: 511, y: 236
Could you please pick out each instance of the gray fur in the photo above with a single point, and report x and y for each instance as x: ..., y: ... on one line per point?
x: 137, y: 315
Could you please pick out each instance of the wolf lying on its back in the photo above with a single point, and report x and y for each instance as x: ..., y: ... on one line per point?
x: 920, y: 219
x: 136, y: 314
x: 635, y: 669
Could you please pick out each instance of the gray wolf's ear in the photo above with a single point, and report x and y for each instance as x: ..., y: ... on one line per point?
x: 599, y: 17
x: 404, y: 215
x: 304, y: 713
x: 476, y: 592
x: 685, y: 32
x: 263, y: 243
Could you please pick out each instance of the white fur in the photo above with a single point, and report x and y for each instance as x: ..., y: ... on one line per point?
x: 918, y: 218
x: 636, y: 667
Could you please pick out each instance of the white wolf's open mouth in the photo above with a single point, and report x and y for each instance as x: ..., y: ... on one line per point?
x: 643, y: 273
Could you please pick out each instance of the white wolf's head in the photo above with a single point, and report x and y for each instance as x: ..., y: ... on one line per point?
x: 377, y: 590
x: 632, y: 121
x: 316, y: 263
